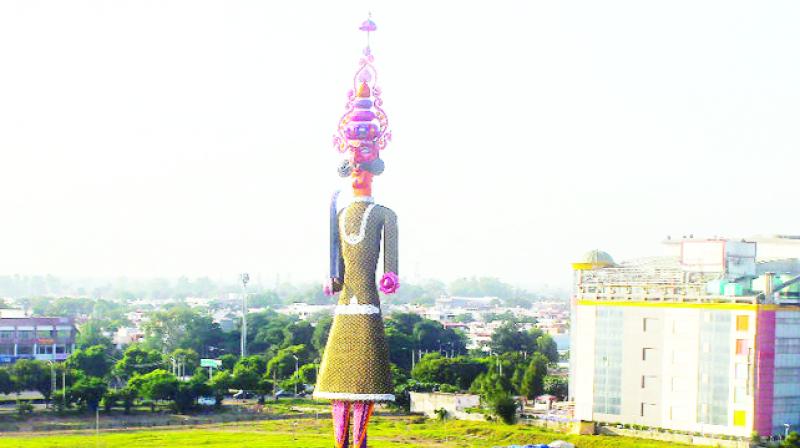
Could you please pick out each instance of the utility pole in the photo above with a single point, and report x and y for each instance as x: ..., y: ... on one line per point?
x: 296, y: 368
x: 245, y: 278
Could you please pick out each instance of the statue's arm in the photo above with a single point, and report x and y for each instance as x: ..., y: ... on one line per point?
x: 390, y: 234
x: 390, y: 281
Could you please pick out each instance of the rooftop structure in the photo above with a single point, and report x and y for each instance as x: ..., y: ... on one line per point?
x: 704, y: 339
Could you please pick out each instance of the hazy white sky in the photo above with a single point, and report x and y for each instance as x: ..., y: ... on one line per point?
x: 161, y: 138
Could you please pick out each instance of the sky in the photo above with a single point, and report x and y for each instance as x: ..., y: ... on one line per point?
x: 167, y: 138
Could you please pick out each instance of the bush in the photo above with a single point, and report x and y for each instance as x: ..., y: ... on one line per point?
x: 505, y: 408
x: 24, y: 407
x: 109, y: 401
x: 448, y: 388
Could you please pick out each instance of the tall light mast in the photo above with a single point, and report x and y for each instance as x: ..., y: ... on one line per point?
x: 245, y: 278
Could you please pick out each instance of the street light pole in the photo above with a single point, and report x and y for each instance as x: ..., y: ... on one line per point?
x: 245, y: 277
x: 296, y: 368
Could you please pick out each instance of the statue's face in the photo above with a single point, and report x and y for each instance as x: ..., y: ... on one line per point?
x: 366, y: 152
x: 362, y: 179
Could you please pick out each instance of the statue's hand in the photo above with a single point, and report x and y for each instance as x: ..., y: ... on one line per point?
x: 331, y: 287
x: 389, y: 283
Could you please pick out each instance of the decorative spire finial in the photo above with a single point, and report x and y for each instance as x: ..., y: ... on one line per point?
x: 368, y: 26
x: 364, y: 121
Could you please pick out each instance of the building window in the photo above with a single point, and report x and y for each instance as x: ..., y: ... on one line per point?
x: 742, y: 323
x: 648, y: 324
x: 44, y: 349
x: 24, y: 349
x: 44, y: 334
x: 648, y: 354
x: 6, y: 335
x: 739, y: 418
x: 740, y: 395
x: 741, y: 371
x: 787, y: 346
x: 741, y: 347
x: 25, y: 335
x: 6, y: 349
x: 648, y: 381
x: 63, y: 334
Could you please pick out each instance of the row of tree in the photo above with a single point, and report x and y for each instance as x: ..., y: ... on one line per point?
x: 286, y: 354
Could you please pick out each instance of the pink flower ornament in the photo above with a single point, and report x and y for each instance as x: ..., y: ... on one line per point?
x: 327, y: 288
x: 389, y: 283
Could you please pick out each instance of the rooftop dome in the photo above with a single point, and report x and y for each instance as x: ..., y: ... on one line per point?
x: 593, y: 260
x: 597, y: 256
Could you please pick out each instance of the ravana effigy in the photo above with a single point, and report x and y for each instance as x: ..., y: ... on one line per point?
x: 355, y: 371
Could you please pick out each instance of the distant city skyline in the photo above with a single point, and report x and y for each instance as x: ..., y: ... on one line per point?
x: 193, y: 137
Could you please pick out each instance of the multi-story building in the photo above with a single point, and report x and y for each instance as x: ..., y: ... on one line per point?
x: 706, y: 339
x: 43, y: 338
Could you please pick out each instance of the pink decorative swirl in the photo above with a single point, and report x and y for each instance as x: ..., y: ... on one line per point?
x: 389, y: 283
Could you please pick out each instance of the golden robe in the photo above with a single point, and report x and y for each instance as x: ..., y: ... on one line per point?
x: 355, y: 364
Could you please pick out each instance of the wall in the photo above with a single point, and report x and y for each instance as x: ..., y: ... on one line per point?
x: 456, y: 404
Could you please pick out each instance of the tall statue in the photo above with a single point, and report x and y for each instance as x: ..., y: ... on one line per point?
x: 355, y: 372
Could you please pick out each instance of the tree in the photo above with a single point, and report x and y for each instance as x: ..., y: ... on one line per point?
x: 401, y: 347
x: 182, y: 327
x: 6, y: 382
x: 87, y: 392
x: 404, y: 322
x: 508, y: 338
x: 188, y: 392
x: 228, y: 361
x: 246, y: 376
x: 221, y: 382
x: 33, y: 375
x: 186, y: 358
x: 490, y: 386
x: 460, y: 371
x: 791, y: 441
x: 138, y: 360
x: 428, y: 334
x: 282, y: 365
x: 264, y: 299
x: 548, y: 347
x: 266, y: 330
x: 92, y: 361
x: 320, y: 336
x: 533, y: 381
x: 481, y: 287
x: 298, y: 333
x: 556, y: 386
x: 505, y: 407
x: 156, y: 385
x: 91, y: 334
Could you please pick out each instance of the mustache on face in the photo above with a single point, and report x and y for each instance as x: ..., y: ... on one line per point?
x: 373, y: 166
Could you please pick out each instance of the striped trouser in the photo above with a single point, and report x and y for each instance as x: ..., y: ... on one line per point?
x: 362, y: 410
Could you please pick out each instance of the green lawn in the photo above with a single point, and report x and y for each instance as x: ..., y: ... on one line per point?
x: 389, y: 432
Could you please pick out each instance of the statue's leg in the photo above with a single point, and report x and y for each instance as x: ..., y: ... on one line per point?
x: 362, y: 411
x: 341, y: 423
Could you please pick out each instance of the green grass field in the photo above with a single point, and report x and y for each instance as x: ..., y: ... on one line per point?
x: 394, y: 432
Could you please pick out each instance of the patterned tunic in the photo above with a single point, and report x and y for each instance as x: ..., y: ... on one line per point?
x: 355, y: 364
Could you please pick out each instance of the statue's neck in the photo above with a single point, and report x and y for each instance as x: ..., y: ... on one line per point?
x: 362, y: 192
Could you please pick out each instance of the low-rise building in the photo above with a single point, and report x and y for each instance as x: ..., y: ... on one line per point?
x: 43, y: 338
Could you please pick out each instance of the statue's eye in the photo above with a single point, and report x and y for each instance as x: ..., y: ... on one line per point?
x: 365, y: 150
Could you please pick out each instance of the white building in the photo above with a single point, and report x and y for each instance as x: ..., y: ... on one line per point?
x: 699, y: 341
